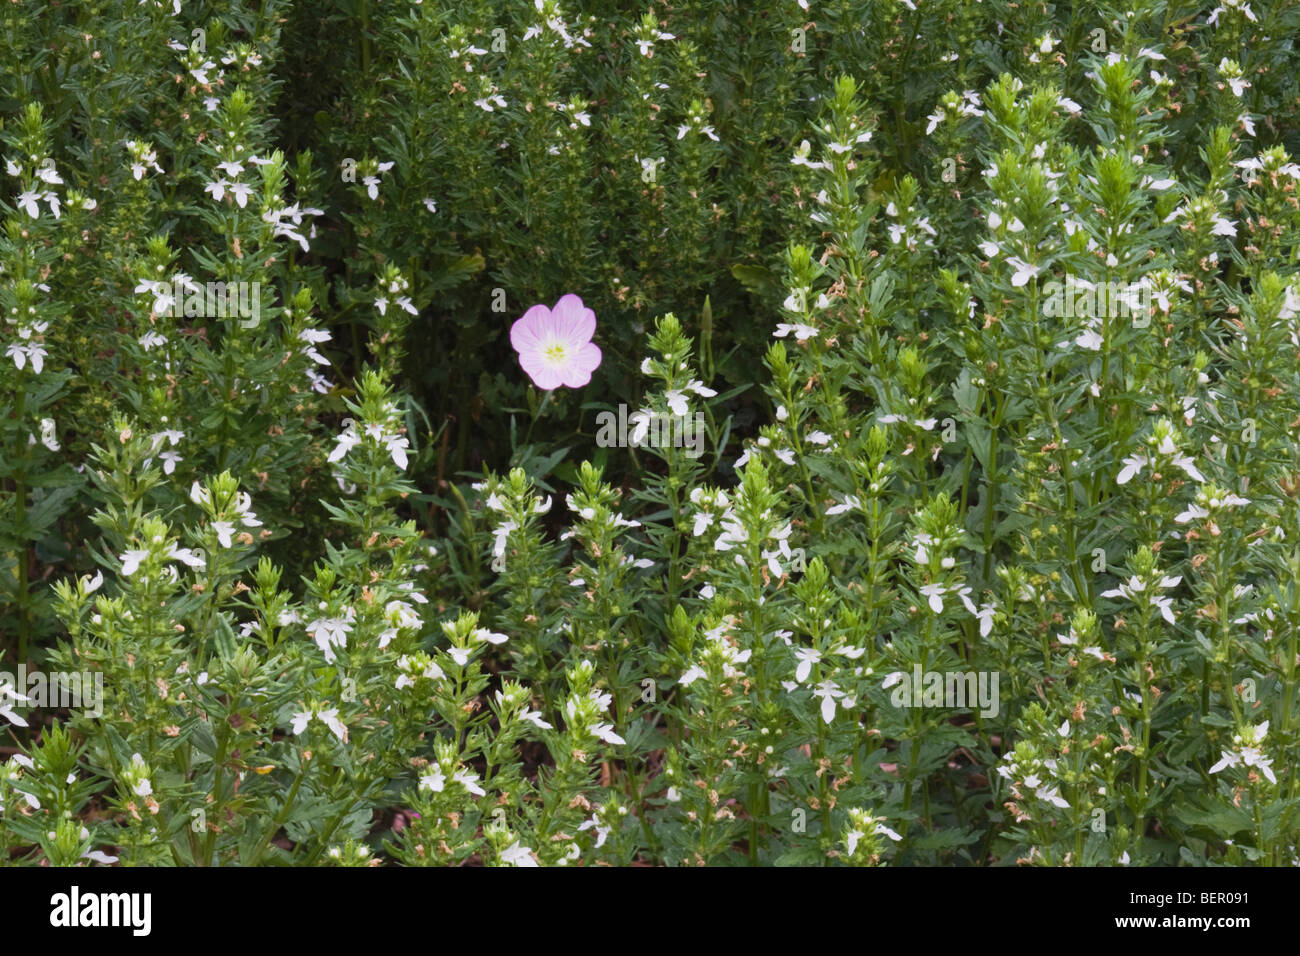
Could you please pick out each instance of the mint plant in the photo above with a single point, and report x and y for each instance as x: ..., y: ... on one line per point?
x: 543, y: 435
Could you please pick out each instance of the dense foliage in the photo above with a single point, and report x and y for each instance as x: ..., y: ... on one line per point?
x: 990, y: 551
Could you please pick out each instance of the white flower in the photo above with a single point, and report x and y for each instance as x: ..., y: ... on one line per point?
x: 849, y: 503
x: 828, y: 691
x: 500, y: 535
x: 492, y: 637
x: 469, y: 780
x: 7, y: 712
x: 886, y: 831
x: 1052, y: 796
x: 36, y: 353
x: 606, y: 733
x: 397, y: 448
x: 27, y: 201
x: 517, y: 855
x: 1223, y: 227
x: 1248, y: 752
x: 533, y: 716
x: 346, y: 440
x: 185, y: 555
x: 328, y: 633
x: 1188, y: 466
x: 1024, y: 271
x: 801, y: 332
x: 807, y: 657
x: 241, y: 192
x: 48, y: 438
x: 171, y: 435
x: 131, y: 561
x: 142, y: 787
x: 330, y: 718
x: 217, y: 189
x: 935, y: 593
x: 693, y: 673
x: 1133, y: 465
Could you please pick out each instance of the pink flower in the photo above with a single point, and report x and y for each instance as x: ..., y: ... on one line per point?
x: 555, y: 346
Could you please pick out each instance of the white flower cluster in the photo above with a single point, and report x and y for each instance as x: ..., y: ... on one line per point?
x: 722, y: 654
x: 1030, y: 775
x: 553, y: 21
x: 1165, y: 451
x: 1248, y: 752
x: 134, y: 557
x: 953, y: 106
x: 1136, y: 586
x: 386, y: 436
x: 30, y: 347
x: 29, y: 198
x: 143, y: 158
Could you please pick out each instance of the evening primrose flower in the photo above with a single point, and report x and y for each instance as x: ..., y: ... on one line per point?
x: 555, y: 346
